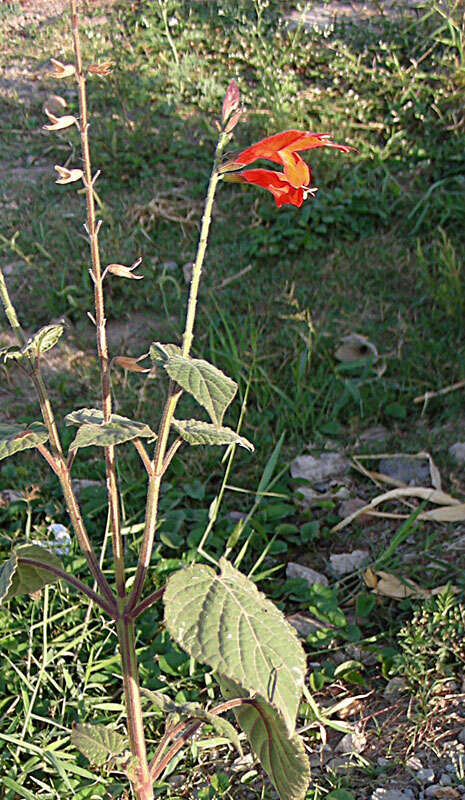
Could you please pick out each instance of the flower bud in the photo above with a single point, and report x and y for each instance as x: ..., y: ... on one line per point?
x: 231, y: 101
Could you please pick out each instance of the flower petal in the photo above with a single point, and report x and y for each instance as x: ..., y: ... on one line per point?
x: 276, y: 183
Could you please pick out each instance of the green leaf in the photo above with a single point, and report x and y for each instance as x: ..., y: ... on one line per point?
x: 160, y: 353
x: 282, y: 755
x: 224, y: 621
x: 44, y: 339
x: 97, y: 742
x: 195, y: 711
x: 207, y: 384
x: 14, y: 438
x: 10, y: 352
x: 196, y: 432
x: 16, y: 577
x: 94, y: 431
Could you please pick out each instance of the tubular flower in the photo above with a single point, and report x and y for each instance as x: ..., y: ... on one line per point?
x: 293, y: 184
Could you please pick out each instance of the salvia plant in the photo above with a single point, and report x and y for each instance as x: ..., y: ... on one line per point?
x: 212, y: 611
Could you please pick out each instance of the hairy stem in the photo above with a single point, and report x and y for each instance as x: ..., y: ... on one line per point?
x: 59, y: 463
x: 102, y: 345
x: 174, y: 391
x: 143, y: 788
x: 111, y: 609
x: 184, y: 730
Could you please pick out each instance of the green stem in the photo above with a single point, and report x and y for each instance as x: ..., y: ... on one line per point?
x: 60, y: 467
x: 102, y: 345
x: 174, y: 391
x: 143, y: 788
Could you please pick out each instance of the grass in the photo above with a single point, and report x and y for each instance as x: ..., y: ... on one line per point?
x: 379, y: 252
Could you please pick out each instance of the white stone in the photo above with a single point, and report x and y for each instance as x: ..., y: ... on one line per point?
x: 344, y: 563
x: 425, y: 775
x: 307, y: 573
x: 352, y: 743
x: 319, y: 468
x: 457, y: 452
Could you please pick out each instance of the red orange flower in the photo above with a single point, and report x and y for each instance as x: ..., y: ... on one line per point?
x: 293, y: 184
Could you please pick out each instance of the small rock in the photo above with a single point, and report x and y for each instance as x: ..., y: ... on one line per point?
x: 319, y: 468
x: 394, y: 688
x: 377, y: 433
x: 307, y: 573
x: 339, y: 763
x: 445, y: 779
x: 80, y: 484
x: 391, y: 794
x: 411, y: 471
x: 303, y: 625
x: 187, y: 270
x: 350, y: 506
x: 344, y: 563
x: 425, y: 775
x: 457, y: 452
x: 383, y: 762
x: 414, y: 763
x: 352, y: 743
x: 430, y: 791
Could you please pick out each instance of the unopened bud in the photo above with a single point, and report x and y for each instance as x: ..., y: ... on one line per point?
x: 62, y: 70
x: 125, y: 272
x: 58, y: 123
x: 68, y: 175
x: 230, y: 166
x: 231, y: 101
x: 101, y: 69
x: 233, y: 121
x: 131, y: 364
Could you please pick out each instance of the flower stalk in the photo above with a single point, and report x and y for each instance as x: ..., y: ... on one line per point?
x: 100, y: 320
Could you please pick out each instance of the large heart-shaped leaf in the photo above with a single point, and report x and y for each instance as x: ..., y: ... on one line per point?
x: 195, y: 711
x: 94, y: 431
x: 97, y: 742
x: 160, y: 353
x: 17, y: 577
x: 281, y: 755
x: 14, y: 438
x: 224, y: 621
x: 196, y: 432
x: 206, y: 383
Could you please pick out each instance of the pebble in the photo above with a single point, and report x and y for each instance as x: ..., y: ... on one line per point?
x: 307, y: 573
x: 445, y: 779
x: 344, y: 563
x: 352, y: 743
x: 303, y: 624
x: 414, y: 763
x: 319, y: 468
x: 391, y: 794
x: 350, y: 506
x: 394, y: 688
x: 457, y: 452
x: 411, y: 471
x: 425, y: 775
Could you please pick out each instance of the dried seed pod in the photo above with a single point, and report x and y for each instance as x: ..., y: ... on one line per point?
x: 68, y: 175
x: 62, y: 70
